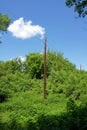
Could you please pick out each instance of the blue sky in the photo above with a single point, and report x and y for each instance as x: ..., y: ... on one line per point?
x: 51, y: 18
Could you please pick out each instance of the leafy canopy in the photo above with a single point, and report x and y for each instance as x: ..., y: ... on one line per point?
x: 21, y: 94
x: 4, y: 22
x: 80, y: 6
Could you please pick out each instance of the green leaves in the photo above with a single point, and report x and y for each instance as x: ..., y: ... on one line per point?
x: 21, y: 94
x: 4, y: 22
x: 80, y: 6
x: 4, y: 95
x: 35, y: 65
x: 69, y: 3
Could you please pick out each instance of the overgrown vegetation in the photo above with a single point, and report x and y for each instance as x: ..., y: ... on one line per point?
x: 22, y: 106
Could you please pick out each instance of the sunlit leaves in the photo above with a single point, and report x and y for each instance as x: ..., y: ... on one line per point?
x: 4, y: 22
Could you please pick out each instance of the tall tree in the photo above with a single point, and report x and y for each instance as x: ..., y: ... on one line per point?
x: 35, y: 65
x: 80, y: 6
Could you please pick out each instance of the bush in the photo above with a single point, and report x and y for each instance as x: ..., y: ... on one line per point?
x: 3, y: 95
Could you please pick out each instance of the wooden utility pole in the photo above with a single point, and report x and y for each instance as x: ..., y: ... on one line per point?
x: 45, y: 39
x: 80, y: 67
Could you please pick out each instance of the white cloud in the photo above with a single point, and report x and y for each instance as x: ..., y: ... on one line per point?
x: 23, y: 30
x: 22, y: 58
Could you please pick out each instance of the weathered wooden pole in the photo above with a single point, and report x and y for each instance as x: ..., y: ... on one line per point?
x: 45, y: 39
x: 80, y: 67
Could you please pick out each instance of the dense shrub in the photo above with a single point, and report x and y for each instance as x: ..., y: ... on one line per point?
x: 4, y: 95
x: 26, y: 109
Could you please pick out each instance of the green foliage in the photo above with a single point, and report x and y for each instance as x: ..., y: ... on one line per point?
x: 4, y: 22
x: 71, y: 105
x: 35, y: 65
x: 75, y: 120
x: 80, y: 6
x: 4, y: 95
x: 2, y: 73
x: 13, y: 65
x: 22, y: 106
